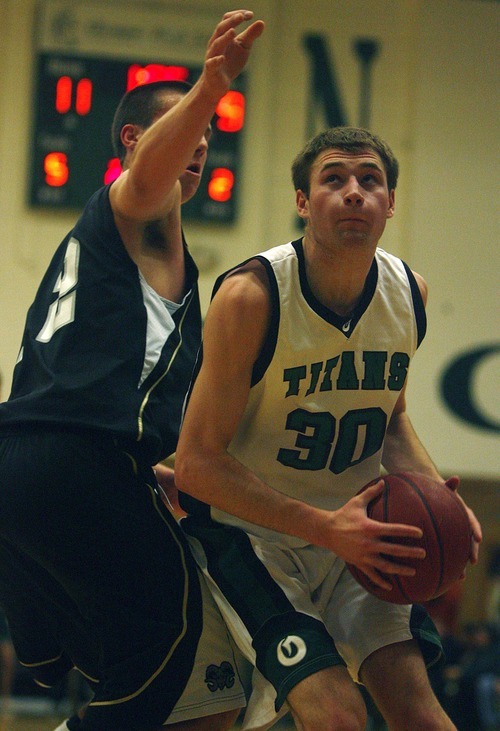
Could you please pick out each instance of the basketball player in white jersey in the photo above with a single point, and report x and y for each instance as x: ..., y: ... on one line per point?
x: 298, y: 403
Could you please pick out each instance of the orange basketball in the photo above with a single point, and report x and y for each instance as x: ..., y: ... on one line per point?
x: 416, y: 499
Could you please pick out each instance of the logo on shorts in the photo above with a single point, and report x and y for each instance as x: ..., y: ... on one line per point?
x: 291, y: 650
x: 220, y: 677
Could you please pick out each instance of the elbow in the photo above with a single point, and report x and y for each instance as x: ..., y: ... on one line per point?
x: 146, y: 199
x: 186, y: 473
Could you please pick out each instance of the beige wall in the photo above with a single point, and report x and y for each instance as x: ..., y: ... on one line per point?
x: 434, y: 97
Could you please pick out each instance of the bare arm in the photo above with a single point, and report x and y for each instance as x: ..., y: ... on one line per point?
x: 234, y: 331
x: 403, y: 451
x: 146, y: 191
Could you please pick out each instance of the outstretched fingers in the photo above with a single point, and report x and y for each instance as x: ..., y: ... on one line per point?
x: 247, y: 37
x: 390, y: 545
x: 225, y: 29
x: 227, y: 53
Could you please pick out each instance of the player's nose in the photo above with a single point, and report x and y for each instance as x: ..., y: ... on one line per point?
x: 353, y: 194
x: 202, y: 145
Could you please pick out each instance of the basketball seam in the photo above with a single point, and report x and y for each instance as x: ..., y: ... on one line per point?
x: 436, y: 531
x: 395, y: 578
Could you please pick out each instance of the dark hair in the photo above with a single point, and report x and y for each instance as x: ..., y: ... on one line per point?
x: 139, y: 106
x: 349, y: 139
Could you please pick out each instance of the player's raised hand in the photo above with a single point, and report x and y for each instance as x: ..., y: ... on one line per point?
x: 227, y: 51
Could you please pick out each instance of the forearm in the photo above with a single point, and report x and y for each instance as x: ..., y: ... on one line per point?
x: 166, y: 148
x: 403, y: 450
x: 224, y: 483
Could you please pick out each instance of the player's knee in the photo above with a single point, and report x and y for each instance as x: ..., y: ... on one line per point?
x: 342, y: 720
x: 434, y: 719
x: 429, y: 715
x: 221, y: 721
x: 332, y: 716
x: 218, y: 722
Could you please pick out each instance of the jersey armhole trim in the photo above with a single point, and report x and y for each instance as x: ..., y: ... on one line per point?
x: 418, y: 305
x: 269, y: 346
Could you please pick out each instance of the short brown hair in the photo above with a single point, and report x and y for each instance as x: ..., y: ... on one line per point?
x: 349, y: 139
x: 139, y: 106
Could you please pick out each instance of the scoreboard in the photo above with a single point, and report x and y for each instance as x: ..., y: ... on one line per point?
x: 81, y: 73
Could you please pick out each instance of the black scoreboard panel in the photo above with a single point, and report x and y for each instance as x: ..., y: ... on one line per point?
x: 72, y: 155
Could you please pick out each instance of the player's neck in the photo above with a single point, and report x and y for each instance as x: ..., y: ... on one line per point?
x: 337, y: 278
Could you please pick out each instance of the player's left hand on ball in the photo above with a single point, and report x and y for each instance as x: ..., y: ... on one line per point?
x: 477, y: 535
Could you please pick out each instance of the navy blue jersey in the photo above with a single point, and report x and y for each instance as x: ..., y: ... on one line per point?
x: 101, y: 350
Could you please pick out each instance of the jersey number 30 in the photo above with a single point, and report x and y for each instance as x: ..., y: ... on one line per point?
x: 360, y: 434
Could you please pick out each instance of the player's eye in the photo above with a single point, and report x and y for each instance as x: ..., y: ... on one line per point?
x: 374, y: 178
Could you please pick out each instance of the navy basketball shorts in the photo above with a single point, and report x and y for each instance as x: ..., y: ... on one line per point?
x: 96, y: 574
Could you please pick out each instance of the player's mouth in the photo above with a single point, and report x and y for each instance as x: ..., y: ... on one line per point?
x: 194, y: 168
x: 353, y: 221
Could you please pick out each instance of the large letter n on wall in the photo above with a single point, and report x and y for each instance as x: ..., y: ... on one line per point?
x: 323, y: 88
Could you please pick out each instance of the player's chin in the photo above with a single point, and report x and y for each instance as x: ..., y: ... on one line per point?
x: 189, y: 185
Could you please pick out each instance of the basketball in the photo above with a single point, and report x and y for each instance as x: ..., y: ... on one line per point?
x: 415, y: 499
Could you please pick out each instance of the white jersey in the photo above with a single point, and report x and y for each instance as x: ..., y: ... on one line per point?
x: 325, y: 387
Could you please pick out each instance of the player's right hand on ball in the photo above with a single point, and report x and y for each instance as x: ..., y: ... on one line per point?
x: 371, y: 545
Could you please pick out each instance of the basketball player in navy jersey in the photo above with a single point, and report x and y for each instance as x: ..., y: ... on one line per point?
x: 299, y: 400
x: 94, y: 571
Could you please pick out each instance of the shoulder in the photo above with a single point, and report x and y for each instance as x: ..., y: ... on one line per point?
x: 96, y: 231
x: 422, y: 286
x: 130, y: 203
x: 256, y: 277
x: 239, y: 315
x: 97, y: 216
x: 246, y: 286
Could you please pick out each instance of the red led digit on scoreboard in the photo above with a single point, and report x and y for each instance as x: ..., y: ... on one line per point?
x: 220, y: 186
x: 55, y: 167
x: 83, y: 101
x: 231, y: 112
x: 64, y: 93
x: 138, y: 75
x: 113, y: 170
x: 82, y: 90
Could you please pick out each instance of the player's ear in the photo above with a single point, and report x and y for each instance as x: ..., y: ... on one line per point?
x: 130, y: 135
x: 392, y: 201
x: 302, y: 204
